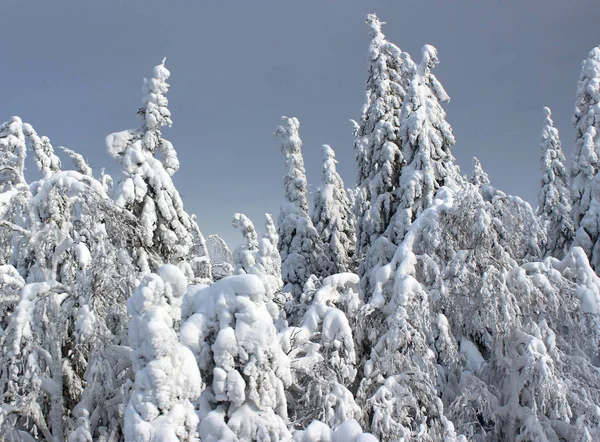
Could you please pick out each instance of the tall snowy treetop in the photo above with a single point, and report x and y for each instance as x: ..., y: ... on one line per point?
x: 288, y: 132
x: 328, y: 153
x: 587, y: 106
x: 154, y: 112
x: 375, y: 25
x: 549, y: 129
x: 429, y: 61
x: 296, y: 187
x: 479, y: 176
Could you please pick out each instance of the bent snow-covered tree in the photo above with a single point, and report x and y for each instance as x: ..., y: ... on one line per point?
x: 146, y: 188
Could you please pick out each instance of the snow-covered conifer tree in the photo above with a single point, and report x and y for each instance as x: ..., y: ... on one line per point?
x: 147, y: 189
x: 333, y: 218
x: 584, y: 165
x: 299, y: 244
x: 554, y: 197
x: 377, y: 142
x: 426, y: 141
x: 479, y: 177
x: 167, y: 379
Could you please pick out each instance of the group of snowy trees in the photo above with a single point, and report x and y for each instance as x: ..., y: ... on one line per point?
x: 417, y: 305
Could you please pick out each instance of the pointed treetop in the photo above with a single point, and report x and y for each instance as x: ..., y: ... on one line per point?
x: 374, y: 24
x: 479, y: 176
x: 430, y: 58
x: 547, y: 112
x: 328, y: 152
x: 289, y: 128
x: 588, y: 94
x: 549, y: 129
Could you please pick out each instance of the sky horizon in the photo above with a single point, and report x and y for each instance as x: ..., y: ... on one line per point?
x: 74, y: 71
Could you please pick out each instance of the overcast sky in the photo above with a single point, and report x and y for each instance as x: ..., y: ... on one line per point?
x: 74, y: 69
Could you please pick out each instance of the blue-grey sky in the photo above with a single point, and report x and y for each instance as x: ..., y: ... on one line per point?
x: 74, y: 69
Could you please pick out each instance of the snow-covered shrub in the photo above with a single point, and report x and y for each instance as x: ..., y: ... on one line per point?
x: 167, y: 379
x: 323, y: 356
x: 229, y: 328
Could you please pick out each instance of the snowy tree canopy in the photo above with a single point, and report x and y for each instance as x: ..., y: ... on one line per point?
x: 471, y: 317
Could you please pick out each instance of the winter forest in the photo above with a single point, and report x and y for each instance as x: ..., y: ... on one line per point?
x: 414, y: 304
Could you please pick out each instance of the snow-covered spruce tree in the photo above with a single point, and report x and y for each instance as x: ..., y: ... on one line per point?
x: 167, y: 379
x: 584, y: 165
x: 221, y: 258
x: 399, y: 387
x: 229, y: 328
x: 479, y: 177
x: 426, y: 141
x: 377, y: 145
x: 333, y: 218
x: 146, y: 188
x: 299, y: 244
x: 554, y: 197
